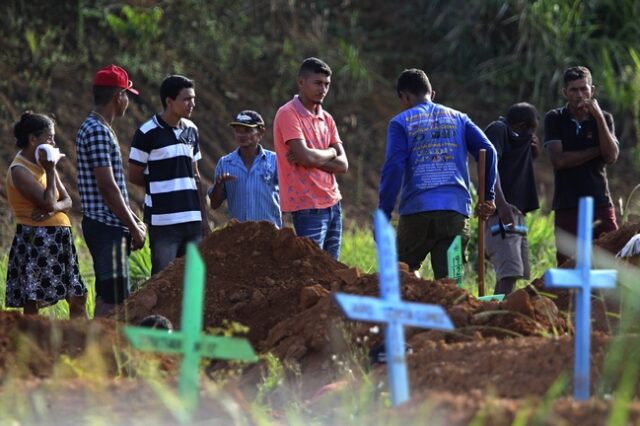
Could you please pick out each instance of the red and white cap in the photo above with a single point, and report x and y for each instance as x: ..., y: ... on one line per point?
x: 114, y: 76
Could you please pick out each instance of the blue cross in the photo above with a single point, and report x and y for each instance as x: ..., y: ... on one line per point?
x: 583, y: 279
x: 392, y: 310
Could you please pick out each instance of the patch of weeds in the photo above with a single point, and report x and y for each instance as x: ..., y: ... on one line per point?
x: 272, y: 378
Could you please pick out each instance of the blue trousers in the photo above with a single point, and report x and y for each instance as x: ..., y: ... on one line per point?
x: 169, y: 242
x: 324, y: 226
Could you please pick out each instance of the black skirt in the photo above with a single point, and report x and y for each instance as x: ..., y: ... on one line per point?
x: 43, y: 266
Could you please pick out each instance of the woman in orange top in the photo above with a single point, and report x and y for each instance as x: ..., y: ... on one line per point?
x: 43, y: 264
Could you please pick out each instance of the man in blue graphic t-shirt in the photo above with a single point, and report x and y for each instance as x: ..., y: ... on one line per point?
x: 426, y: 162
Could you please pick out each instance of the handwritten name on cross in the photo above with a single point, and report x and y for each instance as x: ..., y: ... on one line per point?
x: 583, y: 279
x: 390, y: 309
x: 190, y: 341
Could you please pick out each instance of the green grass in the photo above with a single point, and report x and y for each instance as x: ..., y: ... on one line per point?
x: 358, y: 250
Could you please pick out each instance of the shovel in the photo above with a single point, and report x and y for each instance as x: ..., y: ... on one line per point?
x: 481, y: 179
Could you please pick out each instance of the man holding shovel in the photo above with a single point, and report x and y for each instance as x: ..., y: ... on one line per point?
x: 426, y: 161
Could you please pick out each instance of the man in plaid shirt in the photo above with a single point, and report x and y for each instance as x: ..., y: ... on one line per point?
x: 109, y: 226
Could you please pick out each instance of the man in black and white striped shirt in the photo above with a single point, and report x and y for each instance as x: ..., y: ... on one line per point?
x: 163, y: 159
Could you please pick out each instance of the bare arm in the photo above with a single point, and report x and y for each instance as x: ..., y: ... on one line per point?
x: 506, y: 211
x: 608, y: 147
x: 564, y: 160
x: 535, y: 147
x: 338, y: 165
x: 206, y: 230
x: 64, y: 202
x: 217, y: 193
x: 300, y: 153
x: 29, y: 187
x: 136, y: 175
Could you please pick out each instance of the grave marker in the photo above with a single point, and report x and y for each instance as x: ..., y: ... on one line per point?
x: 390, y: 309
x: 454, y: 260
x: 583, y: 279
x: 454, y: 265
x: 190, y: 341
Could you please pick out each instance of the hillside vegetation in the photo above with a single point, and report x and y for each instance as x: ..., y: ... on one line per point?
x: 481, y: 57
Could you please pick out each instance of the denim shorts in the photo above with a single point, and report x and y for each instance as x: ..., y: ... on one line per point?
x: 110, y: 247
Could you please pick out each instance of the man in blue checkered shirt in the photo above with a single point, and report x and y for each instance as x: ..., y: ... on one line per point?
x: 109, y: 226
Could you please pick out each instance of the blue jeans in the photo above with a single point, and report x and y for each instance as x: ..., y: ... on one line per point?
x: 110, y: 247
x: 324, y: 226
x: 169, y: 242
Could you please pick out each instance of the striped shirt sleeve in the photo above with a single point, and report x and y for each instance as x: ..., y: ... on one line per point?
x: 140, y: 149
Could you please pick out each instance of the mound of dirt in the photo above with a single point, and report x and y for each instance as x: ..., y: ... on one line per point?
x: 603, y: 302
x: 254, y: 274
x: 614, y: 241
x: 279, y: 285
x: 499, y: 377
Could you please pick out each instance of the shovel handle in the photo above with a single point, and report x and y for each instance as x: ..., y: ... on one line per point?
x: 481, y: 183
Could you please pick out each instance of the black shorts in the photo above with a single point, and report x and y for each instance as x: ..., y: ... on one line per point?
x: 432, y: 233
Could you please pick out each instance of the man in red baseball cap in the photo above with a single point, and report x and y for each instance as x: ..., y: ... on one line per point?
x: 114, y: 76
x: 109, y: 226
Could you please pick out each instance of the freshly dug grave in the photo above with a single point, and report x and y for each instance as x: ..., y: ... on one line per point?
x: 32, y: 346
x: 280, y: 286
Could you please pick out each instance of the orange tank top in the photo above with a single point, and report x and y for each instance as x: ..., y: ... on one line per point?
x: 21, y: 206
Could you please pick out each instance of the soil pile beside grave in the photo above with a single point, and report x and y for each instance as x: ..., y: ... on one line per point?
x: 279, y: 286
x: 494, y: 379
x: 254, y: 274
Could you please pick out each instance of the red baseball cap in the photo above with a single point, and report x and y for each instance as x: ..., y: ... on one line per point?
x: 114, y: 76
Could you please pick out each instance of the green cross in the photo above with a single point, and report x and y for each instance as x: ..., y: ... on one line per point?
x: 454, y: 264
x: 454, y: 260
x: 190, y: 341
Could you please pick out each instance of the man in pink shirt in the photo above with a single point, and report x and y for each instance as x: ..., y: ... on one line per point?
x: 309, y: 155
